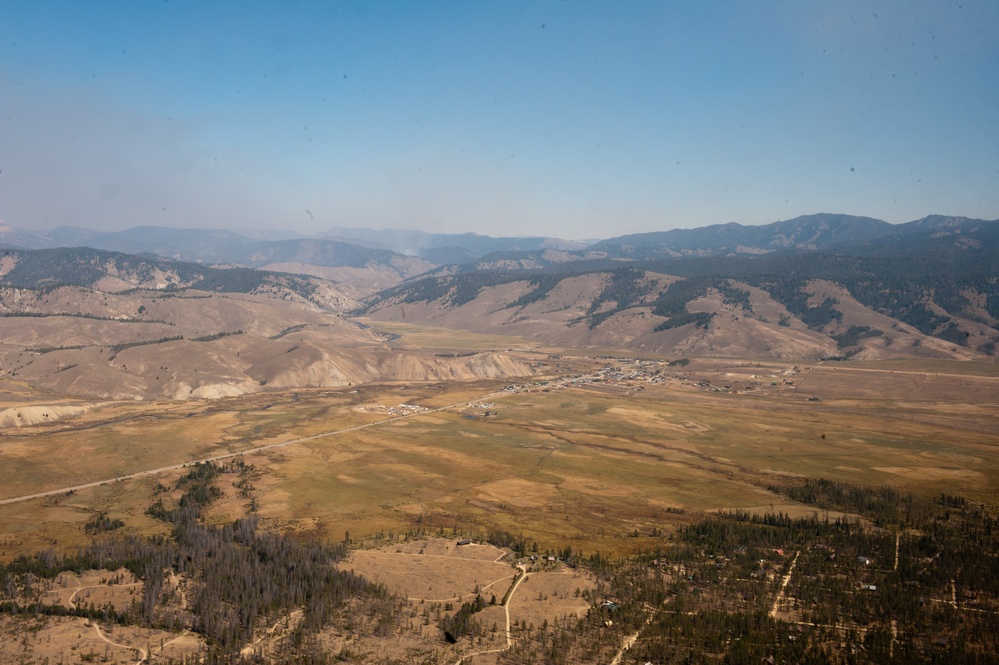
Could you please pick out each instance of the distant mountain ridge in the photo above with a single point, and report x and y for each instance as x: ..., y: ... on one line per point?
x: 466, y: 245
x: 117, y: 271
x: 310, y: 256
x: 219, y: 245
x: 372, y: 260
x: 807, y: 232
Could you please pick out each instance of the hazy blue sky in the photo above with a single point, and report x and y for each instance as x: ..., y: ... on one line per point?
x: 570, y: 118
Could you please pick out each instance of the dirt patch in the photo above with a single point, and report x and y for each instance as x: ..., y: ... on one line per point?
x: 448, y: 547
x: 653, y: 419
x: 442, y: 572
x: 595, y: 487
x: 548, y: 596
x: 94, y: 587
x: 74, y: 640
x: 22, y: 416
x: 517, y: 492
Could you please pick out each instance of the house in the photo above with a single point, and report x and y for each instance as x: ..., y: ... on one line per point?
x: 864, y: 560
x: 464, y: 541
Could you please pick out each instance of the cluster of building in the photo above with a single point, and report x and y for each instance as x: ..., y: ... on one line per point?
x: 398, y: 410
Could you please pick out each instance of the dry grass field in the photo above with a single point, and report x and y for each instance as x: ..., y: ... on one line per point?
x: 431, y: 572
x: 442, y: 339
x: 76, y: 640
x: 550, y: 595
x: 65, y: 639
x: 596, y: 454
x: 437, y: 571
x: 587, y: 464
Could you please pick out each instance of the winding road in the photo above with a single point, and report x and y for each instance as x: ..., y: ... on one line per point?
x: 506, y: 608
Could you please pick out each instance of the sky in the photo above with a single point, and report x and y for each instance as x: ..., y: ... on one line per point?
x: 572, y: 119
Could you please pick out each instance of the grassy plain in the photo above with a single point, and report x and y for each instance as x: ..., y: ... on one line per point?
x: 444, y: 340
x: 597, y: 454
x: 604, y: 465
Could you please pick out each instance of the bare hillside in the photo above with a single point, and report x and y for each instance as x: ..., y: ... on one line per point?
x: 642, y: 310
x: 148, y: 344
x: 361, y: 280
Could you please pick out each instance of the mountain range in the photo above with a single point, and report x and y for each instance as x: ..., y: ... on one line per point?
x: 240, y: 314
x: 408, y: 253
x: 95, y: 324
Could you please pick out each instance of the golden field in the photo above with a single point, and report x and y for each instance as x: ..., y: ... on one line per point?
x: 632, y: 448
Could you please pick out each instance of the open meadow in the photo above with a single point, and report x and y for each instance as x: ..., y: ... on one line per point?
x: 588, y: 452
x: 607, y: 455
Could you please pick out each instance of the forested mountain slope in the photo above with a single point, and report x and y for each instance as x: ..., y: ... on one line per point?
x: 919, y: 295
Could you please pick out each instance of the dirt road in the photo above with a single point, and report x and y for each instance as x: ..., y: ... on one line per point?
x: 250, y: 451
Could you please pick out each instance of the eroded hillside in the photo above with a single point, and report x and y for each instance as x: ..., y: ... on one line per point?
x: 182, y: 344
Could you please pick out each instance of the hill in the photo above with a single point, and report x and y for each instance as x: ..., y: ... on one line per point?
x: 107, y: 325
x: 927, y: 293
x: 448, y: 247
x: 117, y: 271
x: 817, y: 286
x: 371, y: 260
x: 359, y: 267
x: 806, y: 232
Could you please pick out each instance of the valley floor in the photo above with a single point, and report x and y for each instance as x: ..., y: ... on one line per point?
x: 589, y: 455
